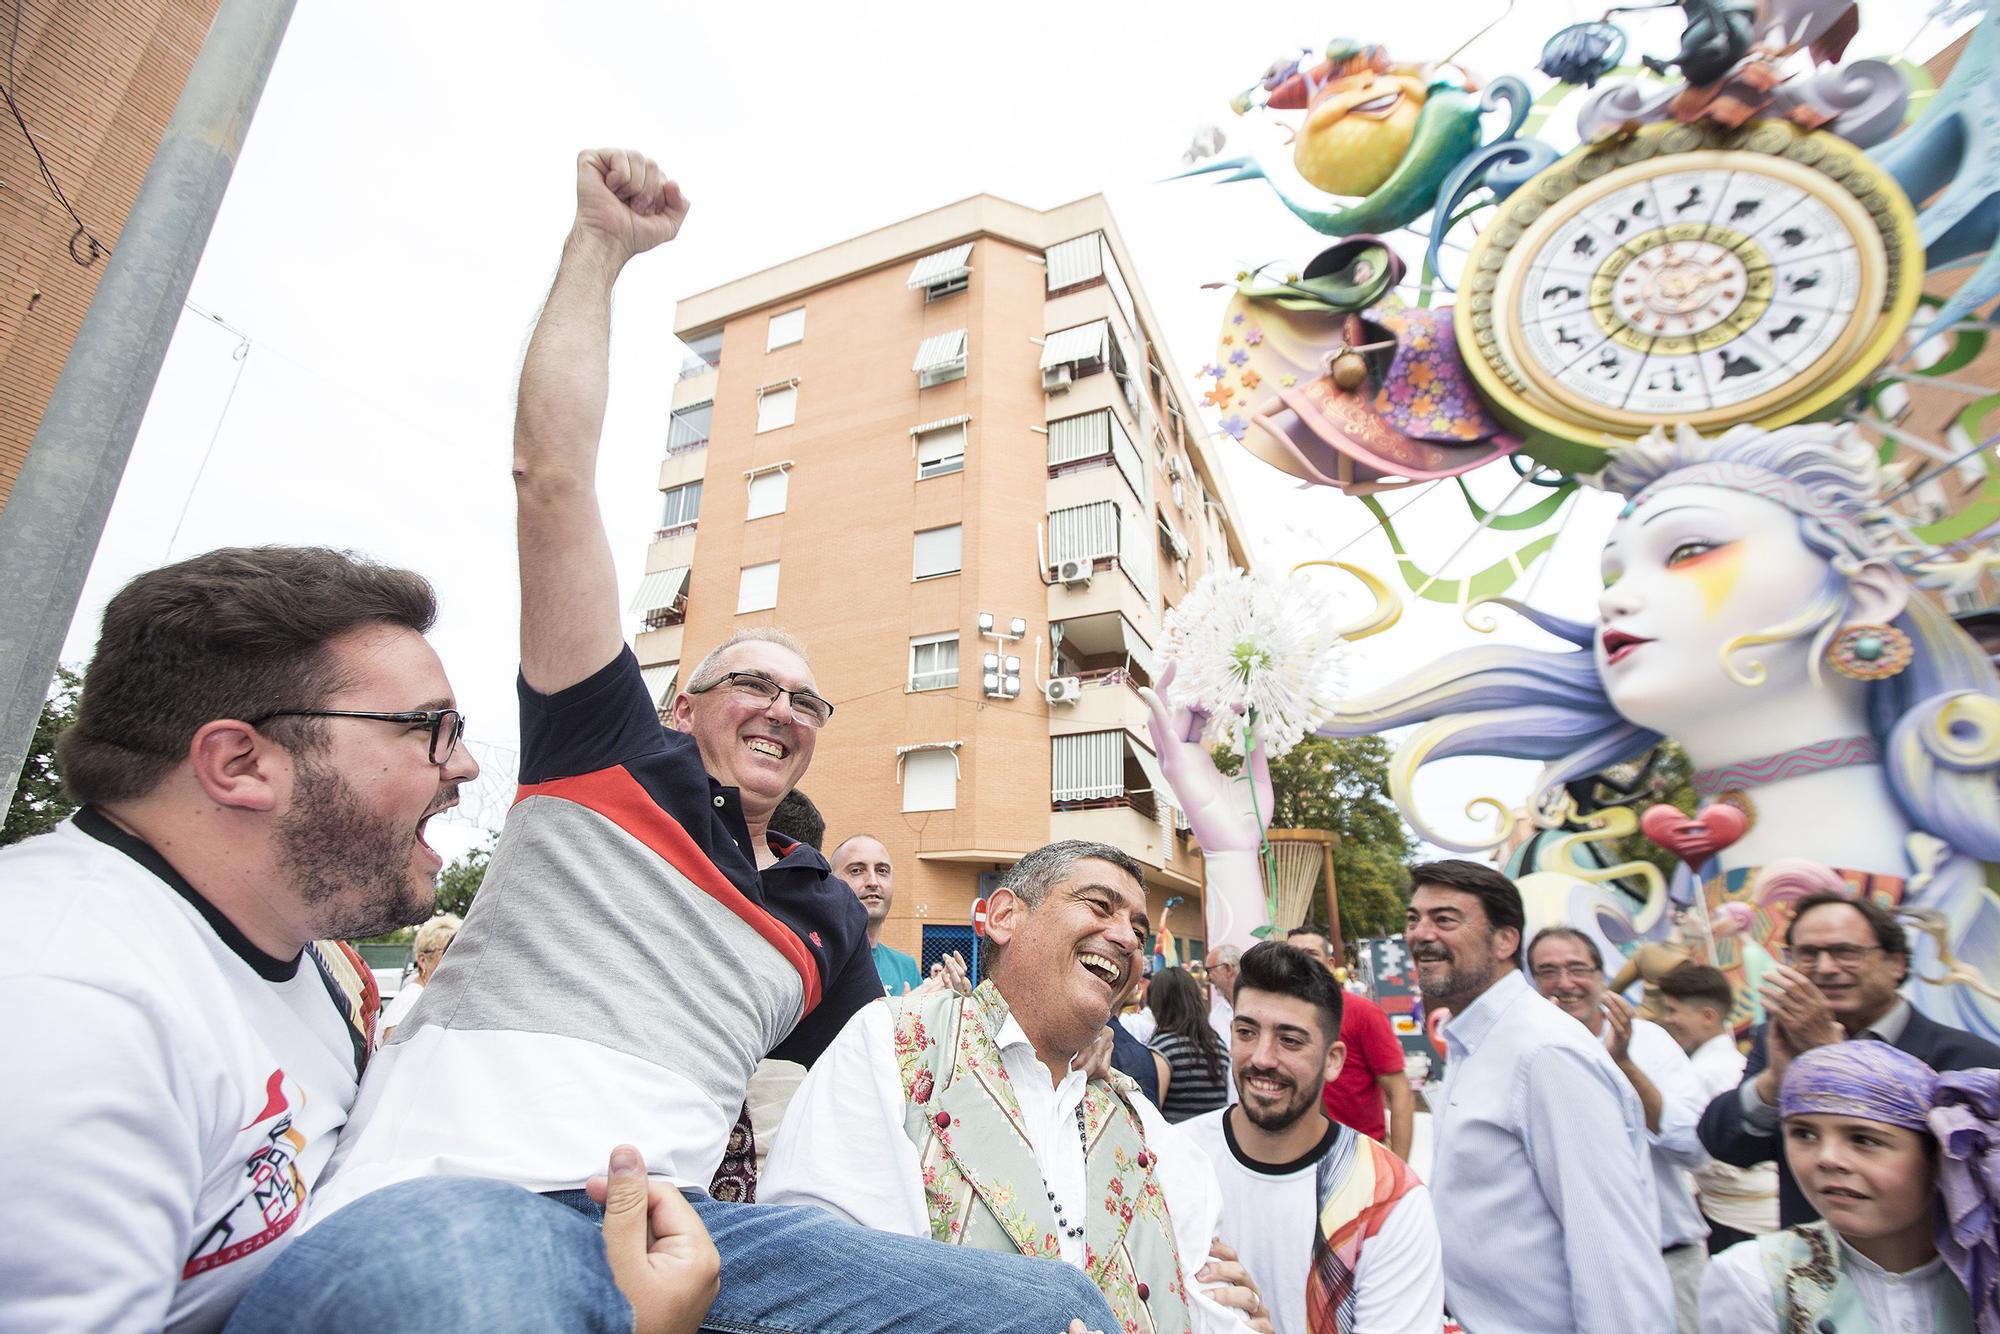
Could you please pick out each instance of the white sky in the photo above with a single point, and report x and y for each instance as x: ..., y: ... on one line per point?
x: 397, y: 212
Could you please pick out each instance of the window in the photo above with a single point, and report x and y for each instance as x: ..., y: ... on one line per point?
x: 688, y: 427
x: 786, y: 329
x: 662, y: 598
x: 777, y: 405
x: 1096, y: 436
x: 937, y: 552
x: 934, y: 661
x: 940, y: 359
x: 1083, y: 532
x: 683, y: 505
x: 930, y: 780
x: 704, y: 354
x: 757, y: 589
x: 1075, y: 262
x: 940, y: 450
x: 767, y: 493
x: 660, y: 682
x: 944, y: 273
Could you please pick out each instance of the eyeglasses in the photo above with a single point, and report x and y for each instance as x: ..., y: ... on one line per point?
x: 1847, y: 956
x: 1549, y: 972
x: 447, y: 725
x: 807, y: 707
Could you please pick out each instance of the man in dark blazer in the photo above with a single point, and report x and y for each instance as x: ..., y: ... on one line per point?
x: 1847, y: 958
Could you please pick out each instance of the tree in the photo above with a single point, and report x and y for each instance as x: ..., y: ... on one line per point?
x: 1342, y: 784
x: 40, y: 804
x: 1664, y: 775
x: 460, y: 880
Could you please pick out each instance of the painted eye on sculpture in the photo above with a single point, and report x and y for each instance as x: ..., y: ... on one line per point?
x: 1688, y: 551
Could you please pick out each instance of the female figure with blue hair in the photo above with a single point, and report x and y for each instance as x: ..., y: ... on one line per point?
x: 1760, y: 610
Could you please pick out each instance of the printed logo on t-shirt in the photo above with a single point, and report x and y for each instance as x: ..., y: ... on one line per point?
x: 274, y: 1193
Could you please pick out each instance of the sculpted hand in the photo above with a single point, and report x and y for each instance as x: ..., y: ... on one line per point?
x: 1237, y: 1289
x: 625, y: 203
x: 947, y: 974
x: 659, y: 1252
x: 1218, y: 809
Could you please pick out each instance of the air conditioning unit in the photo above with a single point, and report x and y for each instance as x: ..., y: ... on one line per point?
x: 1056, y: 379
x: 1074, y: 573
x: 1063, y: 690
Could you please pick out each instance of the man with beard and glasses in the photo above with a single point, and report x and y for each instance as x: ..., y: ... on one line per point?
x: 263, y: 737
x: 1541, y: 1162
x: 641, y: 941
x: 973, y: 1119
x: 1336, y: 1230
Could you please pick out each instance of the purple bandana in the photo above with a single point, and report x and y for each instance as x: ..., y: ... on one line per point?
x: 1870, y: 1080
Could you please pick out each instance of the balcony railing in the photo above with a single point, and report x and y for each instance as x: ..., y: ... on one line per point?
x: 685, y: 446
x: 692, y: 367
x: 673, y: 530
x: 1139, y: 799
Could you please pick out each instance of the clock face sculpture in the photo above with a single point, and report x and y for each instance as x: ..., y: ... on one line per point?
x: 1687, y: 274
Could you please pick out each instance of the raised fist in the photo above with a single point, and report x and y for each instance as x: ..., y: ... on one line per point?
x: 625, y: 202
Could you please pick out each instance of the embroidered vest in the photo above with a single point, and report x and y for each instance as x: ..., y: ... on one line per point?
x: 1358, y: 1184
x: 1811, y: 1294
x: 983, y: 1186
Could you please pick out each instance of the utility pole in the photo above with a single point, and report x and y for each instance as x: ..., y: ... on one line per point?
x: 55, y: 515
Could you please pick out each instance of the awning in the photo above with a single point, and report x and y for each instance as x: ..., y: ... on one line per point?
x: 660, y: 589
x: 1075, y: 261
x: 942, y: 267
x: 660, y: 682
x: 960, y: 420
x: 1085, y: 342
x: 940, y: 350
x: 1155, y: 777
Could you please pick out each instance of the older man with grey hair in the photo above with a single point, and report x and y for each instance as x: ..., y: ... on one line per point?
x: 1221, y: 969
x: 973, y: 1120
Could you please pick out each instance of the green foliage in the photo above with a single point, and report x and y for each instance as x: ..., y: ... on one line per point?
x: 461, y: 878
x: 40, y: 804
x: 1342, y: 784
x: 1671, y: 780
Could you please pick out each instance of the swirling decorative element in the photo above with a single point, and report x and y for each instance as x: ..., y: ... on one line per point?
x: 1402, y: 772
x: 1865, y: 101
x: 1503, y: 815
x: 1388, y: 608
x: 1965, y: 735
x: 1957, y: 972
x: 1608, y: 826
x: 1502, y: 167
x: 1617, y: 106
x: 1490, y: 582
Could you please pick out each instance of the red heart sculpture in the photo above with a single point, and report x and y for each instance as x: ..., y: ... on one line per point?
x: 1694, y: 839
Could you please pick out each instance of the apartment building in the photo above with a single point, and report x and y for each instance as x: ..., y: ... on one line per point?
x: 951, y: 456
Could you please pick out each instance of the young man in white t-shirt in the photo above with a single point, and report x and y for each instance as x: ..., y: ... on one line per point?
x: 263, y: 736
x: 1335, y: 1229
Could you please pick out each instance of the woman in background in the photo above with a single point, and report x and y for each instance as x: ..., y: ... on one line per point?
x: 433, y: 939
x: 1197, y: 1078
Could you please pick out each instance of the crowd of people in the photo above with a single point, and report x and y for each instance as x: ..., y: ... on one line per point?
x: 666, y: 1075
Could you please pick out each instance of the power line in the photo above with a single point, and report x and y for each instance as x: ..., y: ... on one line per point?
x: 82, y: 232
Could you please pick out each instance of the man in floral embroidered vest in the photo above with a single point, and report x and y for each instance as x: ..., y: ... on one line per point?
x: 1334, y: 1227
x: 969, y: 1119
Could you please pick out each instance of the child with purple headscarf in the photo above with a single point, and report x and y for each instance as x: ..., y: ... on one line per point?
x: 1903, y: 1165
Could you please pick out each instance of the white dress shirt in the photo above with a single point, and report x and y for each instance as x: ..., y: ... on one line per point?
x: 1542, y: 1177
x: 1736, y: 1294
x: 843, y: 1148
x: 1745, y: 1198
x: 1675, y: 1149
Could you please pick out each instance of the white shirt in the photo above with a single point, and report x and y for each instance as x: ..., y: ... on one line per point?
x: 1544, y: 1177
x: 399, y: 1009
x: 1140, y: 1024
x: 1736, y: 1295
x: 1221, y: 1018
x: 170, y: 1094
x: 843, y: 1147
x: 1676, y: 1149
x: 1270, y: 1214
x: 1745, y: 1198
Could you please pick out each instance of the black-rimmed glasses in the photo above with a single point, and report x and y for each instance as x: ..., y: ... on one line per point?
x: 807, y: 707
x: 1846, y: 957
x: 447, y: 725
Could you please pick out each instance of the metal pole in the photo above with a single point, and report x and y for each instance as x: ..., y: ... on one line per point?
x: 55, y: 516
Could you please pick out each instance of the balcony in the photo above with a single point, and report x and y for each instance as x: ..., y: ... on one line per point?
x: 1109, y: 701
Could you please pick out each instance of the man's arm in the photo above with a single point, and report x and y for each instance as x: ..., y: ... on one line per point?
x: 842, y: 1145
x: 569, y: 586
x: 1402, y: 1101
x: 99, y: 1185
x: 1596, y: 1181
x: 1618, y: 1042
x: 1681, y: 1100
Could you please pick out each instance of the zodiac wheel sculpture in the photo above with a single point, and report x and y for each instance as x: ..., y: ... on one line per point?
x: 1687, y: 273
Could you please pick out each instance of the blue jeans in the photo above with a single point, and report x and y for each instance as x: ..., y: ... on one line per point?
x: 447, y: 1254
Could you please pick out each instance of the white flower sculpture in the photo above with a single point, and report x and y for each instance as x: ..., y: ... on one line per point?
x: 1257, y: 649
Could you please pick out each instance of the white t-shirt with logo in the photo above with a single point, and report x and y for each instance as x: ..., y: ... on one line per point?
x: 169, y: 1093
